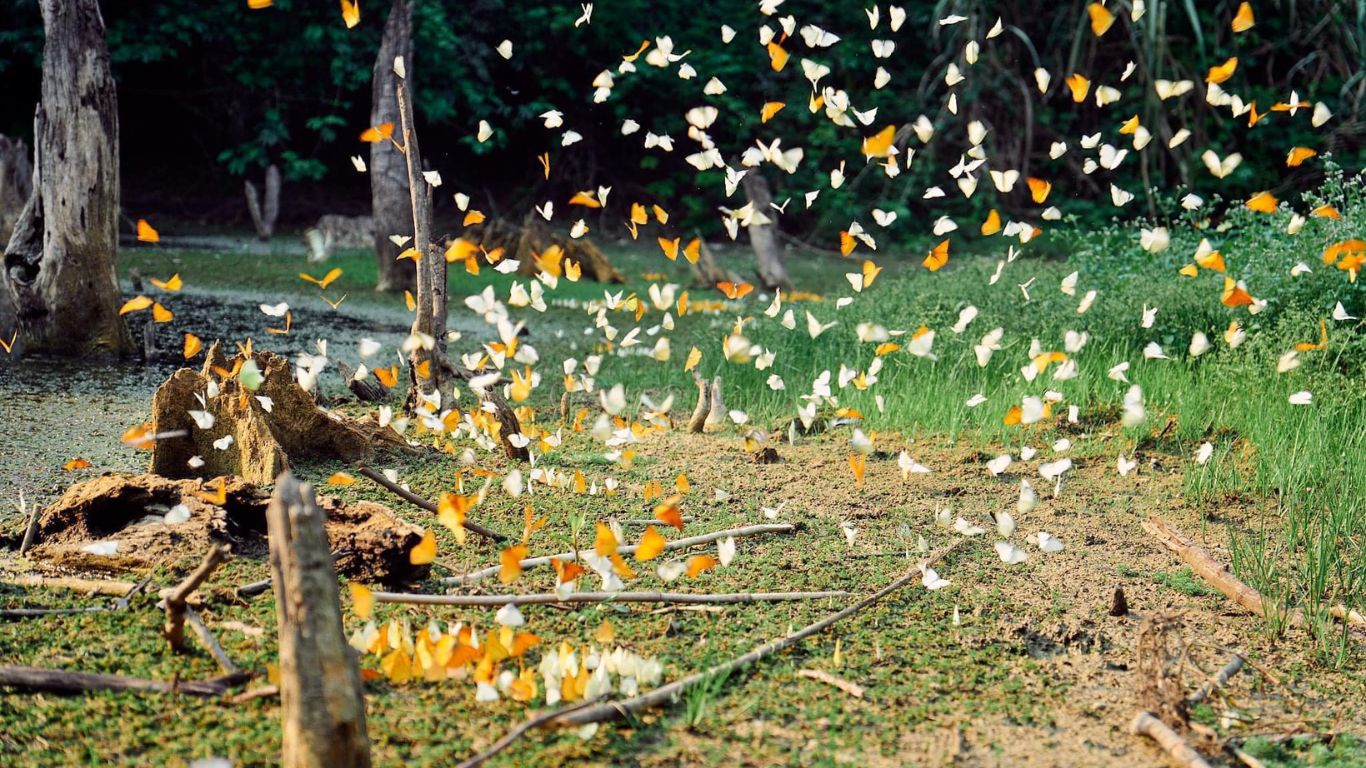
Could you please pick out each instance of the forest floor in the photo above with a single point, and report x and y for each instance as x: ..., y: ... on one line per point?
x: 1010, y: 665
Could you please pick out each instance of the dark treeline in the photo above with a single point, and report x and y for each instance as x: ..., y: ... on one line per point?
x: 210, y: 93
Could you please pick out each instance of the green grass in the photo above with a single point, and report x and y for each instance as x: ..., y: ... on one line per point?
x: 1290, y: 473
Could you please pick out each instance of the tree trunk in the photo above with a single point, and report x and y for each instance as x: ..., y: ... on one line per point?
x: 769, y: 256
x: 263, y: 217
x: 59, y: 268
x: 321, y: 703
x: 388, y: 172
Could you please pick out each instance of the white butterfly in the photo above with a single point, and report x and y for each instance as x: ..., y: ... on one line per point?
x: 1221, y: 168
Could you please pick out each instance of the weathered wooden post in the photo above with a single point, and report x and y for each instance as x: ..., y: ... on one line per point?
x: 322, y: 707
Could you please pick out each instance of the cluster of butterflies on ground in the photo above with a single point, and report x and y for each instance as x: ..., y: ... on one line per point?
x: 617, y: 326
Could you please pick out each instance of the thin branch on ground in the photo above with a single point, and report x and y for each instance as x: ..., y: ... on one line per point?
x: 418, y: 501
x: 517, y: 732
x: 611, y: 710
x: 1145, y: 724
x: 497, y: 601
x: 750, y: 530
x: 61, y: 681
x: 1219, y: 680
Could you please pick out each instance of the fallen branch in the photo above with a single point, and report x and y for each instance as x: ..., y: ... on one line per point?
x: 1219, y: 680
x: 175, y: 602
x: 264, y: 691
x: 749, y: 530
x: 33, y: 613
x: 210, y: 642
x: 853, y: 689
x: 516, y: 733
x: 498, y: 601
x: 1147, y: 725
x: 84, y: 586
x: 1233, y: 588
x: 668, y: 693
x: 62, y: 681
x: 414, y: 499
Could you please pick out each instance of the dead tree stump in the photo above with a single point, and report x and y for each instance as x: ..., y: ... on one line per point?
x: 321, y: 702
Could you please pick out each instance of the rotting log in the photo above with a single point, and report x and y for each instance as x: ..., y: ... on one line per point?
x: 321, y: 701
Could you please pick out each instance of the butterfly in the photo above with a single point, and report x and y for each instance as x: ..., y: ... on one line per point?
x: 734, y: 290
x: 325, y: 280
x: 146, y: 234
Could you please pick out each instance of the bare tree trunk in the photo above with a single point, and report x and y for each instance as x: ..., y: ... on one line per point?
x: 388, y: 172
x: 59, y: 268
x: 263, y: 217
x: 429, y: 320
x: 321, y: 703
x: 769, y: 255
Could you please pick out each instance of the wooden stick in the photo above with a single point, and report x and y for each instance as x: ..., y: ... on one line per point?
x: 1219, y: 680
x: 749, y: 530
x: 174, y: 630
x: 321, y: 703
x: 821, y: 676
x: 516, y: 733
x: 33, y: 613
x: 668, y: 693
x: 210, y: 642
x: 1147, y: 725
x: 84, y: 586
x: 1233, y: 588
x: 31, y: 531
x: 498, y: 601
x: 62, y: 681
x: 418, y: 501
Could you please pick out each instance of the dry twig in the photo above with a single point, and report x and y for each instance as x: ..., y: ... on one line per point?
x: 853, y: 689
x: 62, y: 681
x: 418, y: 501
x: 749, y: 530
x: 175, y: 602
x: 516, y: 733
x: 609, y: 710
x: 498, y: 601
x: 1147, y: 725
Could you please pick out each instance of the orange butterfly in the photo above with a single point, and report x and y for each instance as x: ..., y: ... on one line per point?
x: 937, y: 257
x: 146, y: 234
x: 734, y: 291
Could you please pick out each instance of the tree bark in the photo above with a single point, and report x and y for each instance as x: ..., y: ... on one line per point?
x: 388, y: 172
x: 769, y: 256
x: 59, y: 266
x: 16, y: 183
x: 321, y: 702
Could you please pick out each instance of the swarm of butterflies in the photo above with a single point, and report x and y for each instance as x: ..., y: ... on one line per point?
x: 618, y: 326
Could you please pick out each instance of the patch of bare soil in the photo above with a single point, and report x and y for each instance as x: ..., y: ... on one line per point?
x: 125, y: 522
x: 1054, y: 609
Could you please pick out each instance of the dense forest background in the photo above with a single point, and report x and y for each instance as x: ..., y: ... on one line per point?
x: 210, y: 93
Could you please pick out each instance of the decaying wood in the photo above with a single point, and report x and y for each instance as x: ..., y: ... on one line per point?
x: 321, y: 701
x: 367, y: 389
x: 388, y: 171
x: 10, y: 614
x: 429, y: 320
x: 707, y: 270
x: 205, y: 635
x: 1218, y: 576
x: 770, y: 257
x: 31, y: 531
x: 176, y: 607
x: 706, y: 538
x: 1219, y: 680
x: 716, y: 413
x: 16, y: 183
x: 853, y: 689
x: 610, y: 710
x: 498, y: 601
x: 263, y: 692
x: 59, y: 265
x: 121, y: 589
x: 1145, y: 724
x: 263, y: 217
x: 517, y: 732
x: 64, y: 682
x: 698, y: 422
x: 418, y: 501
